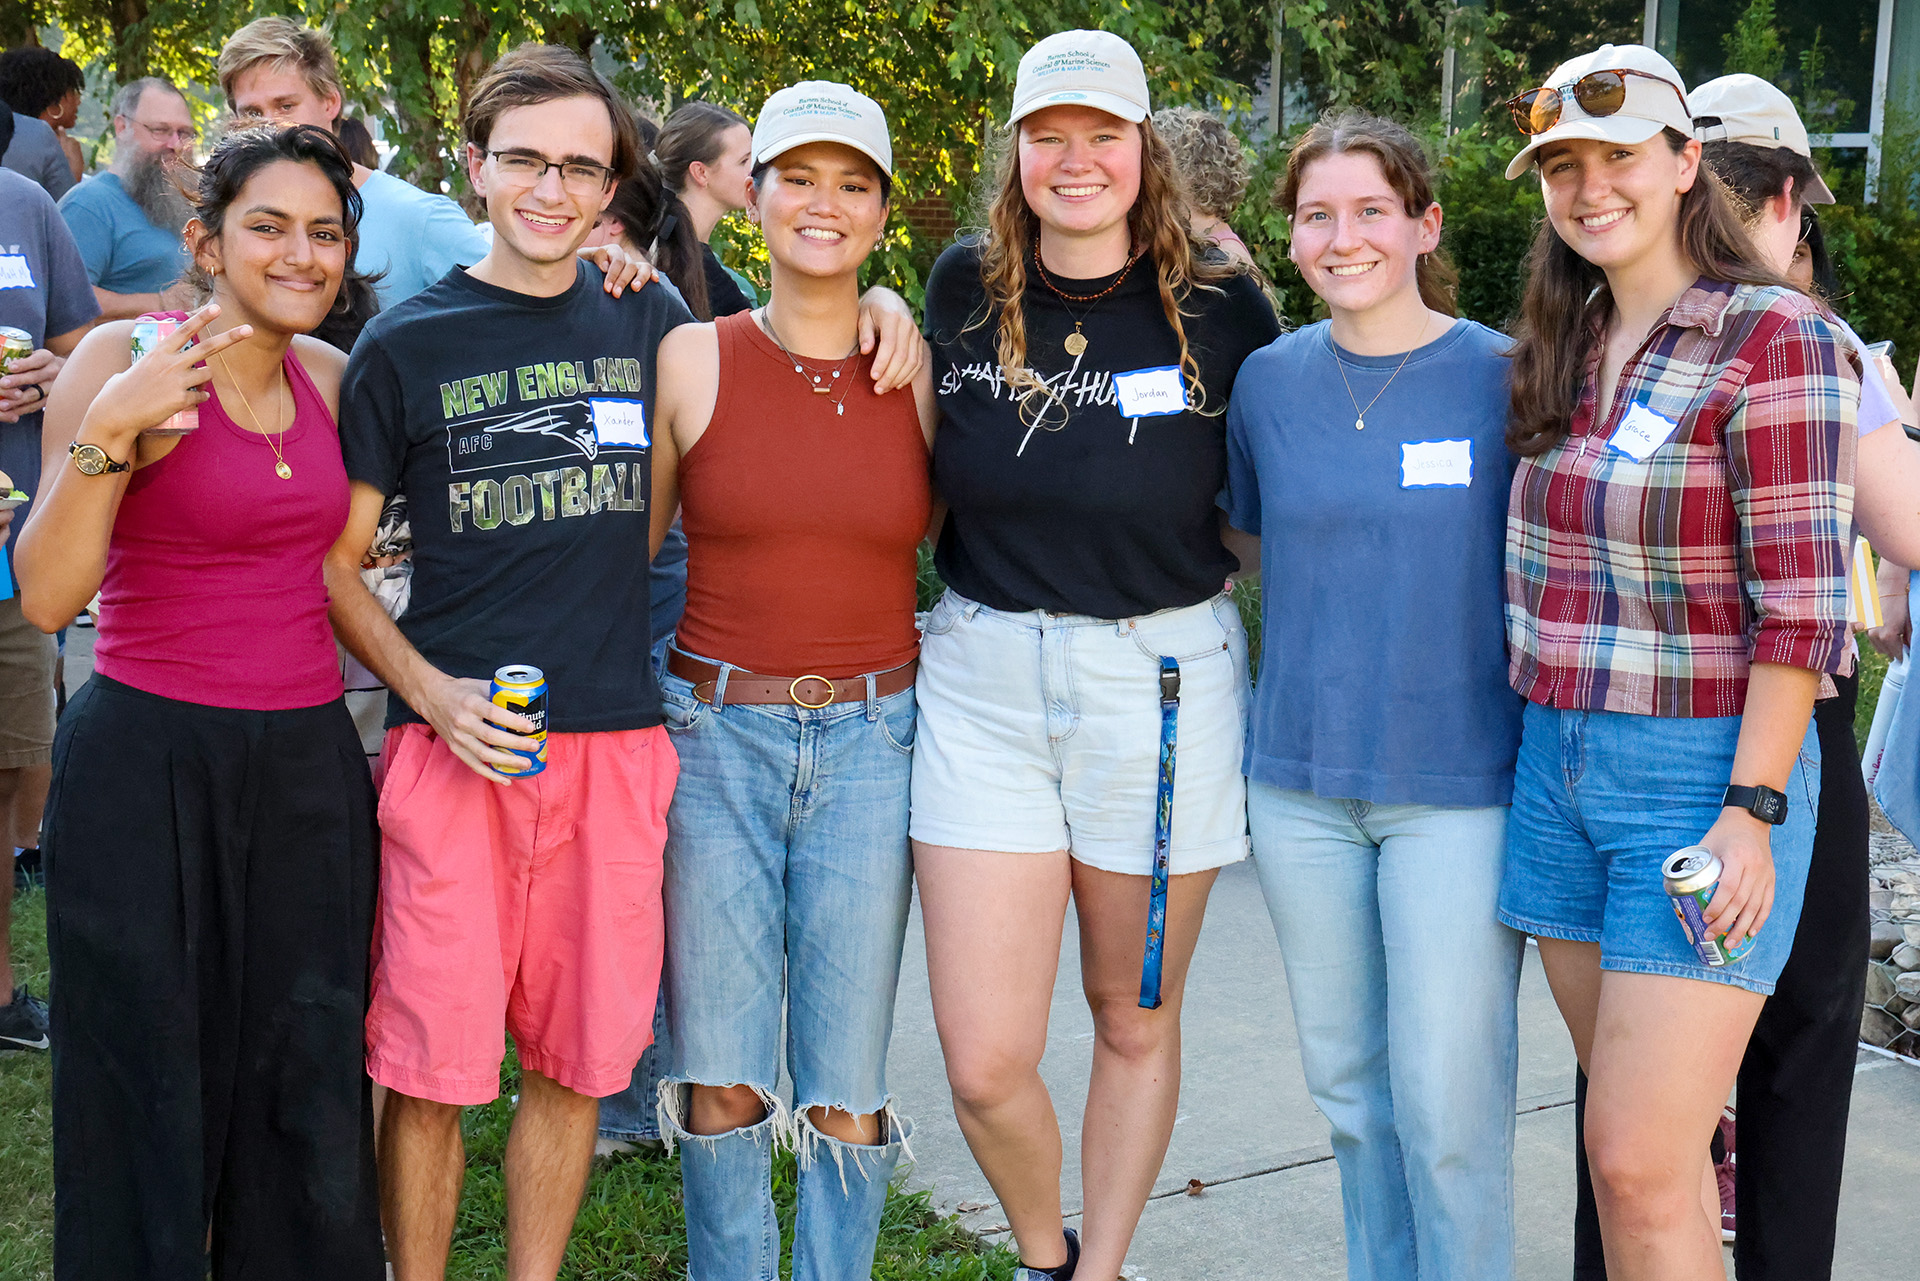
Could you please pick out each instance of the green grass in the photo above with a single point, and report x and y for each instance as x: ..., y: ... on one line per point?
x: 630, y: 1226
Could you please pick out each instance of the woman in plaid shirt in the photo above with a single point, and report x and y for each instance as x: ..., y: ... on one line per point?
x: 1676, y: 594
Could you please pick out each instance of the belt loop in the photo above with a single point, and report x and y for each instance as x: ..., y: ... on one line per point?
x: 873, y: 696
x: 720, y: 686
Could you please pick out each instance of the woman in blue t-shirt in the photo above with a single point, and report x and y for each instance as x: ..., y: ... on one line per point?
x: 1368, y: 454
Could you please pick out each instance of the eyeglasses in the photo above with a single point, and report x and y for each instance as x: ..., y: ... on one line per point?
x: 524, y: 168
x: 166, y: 133
x: 1599, y: 93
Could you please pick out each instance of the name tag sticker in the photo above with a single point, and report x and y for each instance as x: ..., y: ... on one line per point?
x: 14, y: 272
x: 1150, y: 393
x: 1641, y: 432
x: 1429, y: 464
x: 620, y: 422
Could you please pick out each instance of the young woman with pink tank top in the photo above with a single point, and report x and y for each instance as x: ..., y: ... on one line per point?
x: 789, y: 694
x: 210, y: 832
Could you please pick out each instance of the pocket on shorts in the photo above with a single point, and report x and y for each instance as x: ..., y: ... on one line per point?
x: 1185, y: 635
x: 412, y: 751
x: 898, y: 719
x: 946, y: 612
x: 678, y: 707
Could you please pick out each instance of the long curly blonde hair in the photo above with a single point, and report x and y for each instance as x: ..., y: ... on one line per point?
x: 1159, y: 225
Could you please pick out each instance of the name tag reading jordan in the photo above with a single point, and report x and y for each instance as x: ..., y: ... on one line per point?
x: 620, y: 422
x: 1427, y: 464
x: 14, y: 272
x: 1641, y: 432
x: 1150, y: 393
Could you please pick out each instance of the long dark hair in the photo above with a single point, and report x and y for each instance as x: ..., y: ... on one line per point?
x: 1566, y: 304
x: 655, y: 221
x: 1407, y: 169
x: 244, y: 152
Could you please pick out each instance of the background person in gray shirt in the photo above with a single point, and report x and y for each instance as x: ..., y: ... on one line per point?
x: 38, y: 82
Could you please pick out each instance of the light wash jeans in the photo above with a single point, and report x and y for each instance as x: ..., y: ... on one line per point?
x: 1405, y: 989
x: 788, y: 877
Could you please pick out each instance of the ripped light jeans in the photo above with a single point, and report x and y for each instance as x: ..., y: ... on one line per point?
x: 788, y: 877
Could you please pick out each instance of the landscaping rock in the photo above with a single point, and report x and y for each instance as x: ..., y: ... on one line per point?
x: 1886, y: 937
x: 1879, y: 1028
x: 1905, y: 957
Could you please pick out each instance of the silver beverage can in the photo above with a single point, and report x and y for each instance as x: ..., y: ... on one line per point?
x: 1690, y: 877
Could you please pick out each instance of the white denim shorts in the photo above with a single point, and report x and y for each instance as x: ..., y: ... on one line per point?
x: 1041, y: 732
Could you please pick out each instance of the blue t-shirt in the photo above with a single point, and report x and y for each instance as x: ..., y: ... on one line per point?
x: 413, y: 236
x: 1383, y: 670
x: 36, y: 152
x: 124, y: 253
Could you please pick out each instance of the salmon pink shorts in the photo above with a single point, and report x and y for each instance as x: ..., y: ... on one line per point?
x: 532, y: 909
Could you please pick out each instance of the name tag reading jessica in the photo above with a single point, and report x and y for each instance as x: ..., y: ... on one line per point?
x: 1149, y: 393
x: 620, y: 422
x: 1428, y: 464
x: 1641, y: 432
x: 14, y: 272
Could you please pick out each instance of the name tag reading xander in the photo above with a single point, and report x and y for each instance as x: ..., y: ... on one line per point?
x: 1150, y: 393
x: 620, y: 422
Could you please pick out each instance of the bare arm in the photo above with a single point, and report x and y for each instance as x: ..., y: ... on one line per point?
x: 457, y: 709
x: 128, y: 306
x: 101, y: 400
x: 1779, y: 709
x: 888, y: 330
x: 1887, y: 482
x: 1896, y: 628
x: 1245, y: 548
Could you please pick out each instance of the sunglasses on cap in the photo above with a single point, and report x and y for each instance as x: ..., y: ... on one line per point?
x: 1599, y: 93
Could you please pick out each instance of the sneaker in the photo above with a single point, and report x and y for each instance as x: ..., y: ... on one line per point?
x: 1062, y: 1273
x: 1723, y: 1173
x: 23, y: 1023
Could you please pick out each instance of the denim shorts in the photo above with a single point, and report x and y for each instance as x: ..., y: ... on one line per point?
x: 788, y: 878
x: 1041, y: 732
x: 1600, y: 799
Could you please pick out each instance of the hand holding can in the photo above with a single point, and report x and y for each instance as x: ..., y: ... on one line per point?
x: 167, y: 378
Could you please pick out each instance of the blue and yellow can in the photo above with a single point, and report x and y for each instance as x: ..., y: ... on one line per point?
x: 521, y: 688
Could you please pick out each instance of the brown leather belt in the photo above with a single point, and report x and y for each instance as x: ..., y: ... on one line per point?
x: 812, y: 692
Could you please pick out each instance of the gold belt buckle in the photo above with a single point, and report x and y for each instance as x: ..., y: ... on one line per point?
x: 793, y: 692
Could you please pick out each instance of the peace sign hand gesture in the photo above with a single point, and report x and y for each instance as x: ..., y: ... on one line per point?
x: 159, y: 385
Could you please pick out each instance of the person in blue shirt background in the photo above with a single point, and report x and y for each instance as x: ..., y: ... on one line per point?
x: 1368, y: 454
x: 128, y: 219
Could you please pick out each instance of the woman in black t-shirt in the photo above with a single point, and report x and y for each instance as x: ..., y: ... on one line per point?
x: 1084, y: 351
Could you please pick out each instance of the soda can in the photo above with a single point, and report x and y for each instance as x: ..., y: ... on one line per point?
x: 148, y: 332
x: 522, y: 688
x: 1691, y: 876
x: 15, y: 344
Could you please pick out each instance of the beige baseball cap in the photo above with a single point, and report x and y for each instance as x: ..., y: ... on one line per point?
x: 1744, y: 108
x: 1082, y: 69
x: 1655, y: 100
x: 822, y: 111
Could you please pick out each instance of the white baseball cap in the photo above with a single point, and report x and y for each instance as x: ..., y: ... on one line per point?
x: 1082, y: 69
x: 1744, y: 108
x: 1656, y: 99
x: 822, y: 111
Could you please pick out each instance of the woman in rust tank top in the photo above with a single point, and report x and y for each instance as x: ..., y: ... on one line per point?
x: 789, y: 693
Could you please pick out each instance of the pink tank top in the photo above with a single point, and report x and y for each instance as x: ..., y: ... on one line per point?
x: 214, y: 592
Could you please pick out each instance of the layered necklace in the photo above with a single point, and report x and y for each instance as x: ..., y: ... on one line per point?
x: 813, y: 379
x: 1076, y: 342
x: 280, y: 467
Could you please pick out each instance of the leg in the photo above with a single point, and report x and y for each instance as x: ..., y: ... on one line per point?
x: 1796, y: 1082
x: 23, y: 793
x: 1135, y: 1091
x: 1318, y: 872
x: 422, y: 1165
x: 1452, y: 992
x: 549, y: 1155
x: 994, y: 923
x: 1662, y: 1058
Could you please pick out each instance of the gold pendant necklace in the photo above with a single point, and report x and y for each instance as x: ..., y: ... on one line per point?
x: 1076, y: 342
x: 1360, y: 415
x: 280, y: 467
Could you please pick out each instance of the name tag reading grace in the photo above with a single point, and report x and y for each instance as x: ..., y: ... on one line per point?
x: 1641, y: 432
x: 1150, y: 393
x: 620, y: 422
x: 14, y: 272
x: 1430, y: 464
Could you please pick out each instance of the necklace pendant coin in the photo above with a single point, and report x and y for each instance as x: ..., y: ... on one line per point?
x: 1076, y: 343
x: 283, y: 471
x: 1359, y: 424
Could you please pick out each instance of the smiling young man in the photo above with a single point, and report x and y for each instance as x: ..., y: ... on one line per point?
x: 510, y: 402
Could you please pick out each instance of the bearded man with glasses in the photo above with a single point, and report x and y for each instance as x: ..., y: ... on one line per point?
x: 127, y: 219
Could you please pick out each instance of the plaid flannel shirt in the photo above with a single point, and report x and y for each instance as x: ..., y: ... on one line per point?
x: 1651, y: 587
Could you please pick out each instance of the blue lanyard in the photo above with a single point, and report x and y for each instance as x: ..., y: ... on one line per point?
x: 1162, y: 836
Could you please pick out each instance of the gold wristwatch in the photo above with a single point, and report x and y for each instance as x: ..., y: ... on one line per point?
x: 93, y: 461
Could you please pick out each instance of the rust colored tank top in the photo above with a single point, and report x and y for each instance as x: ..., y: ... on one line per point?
x: 802, y: 524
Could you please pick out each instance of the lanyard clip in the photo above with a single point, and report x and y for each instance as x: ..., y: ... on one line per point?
x: 1169, y: 682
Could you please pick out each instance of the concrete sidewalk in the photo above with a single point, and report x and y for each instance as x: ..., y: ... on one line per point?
x: 1248, y: 1130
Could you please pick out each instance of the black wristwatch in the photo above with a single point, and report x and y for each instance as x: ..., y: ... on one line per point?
x: 1762, y: 802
